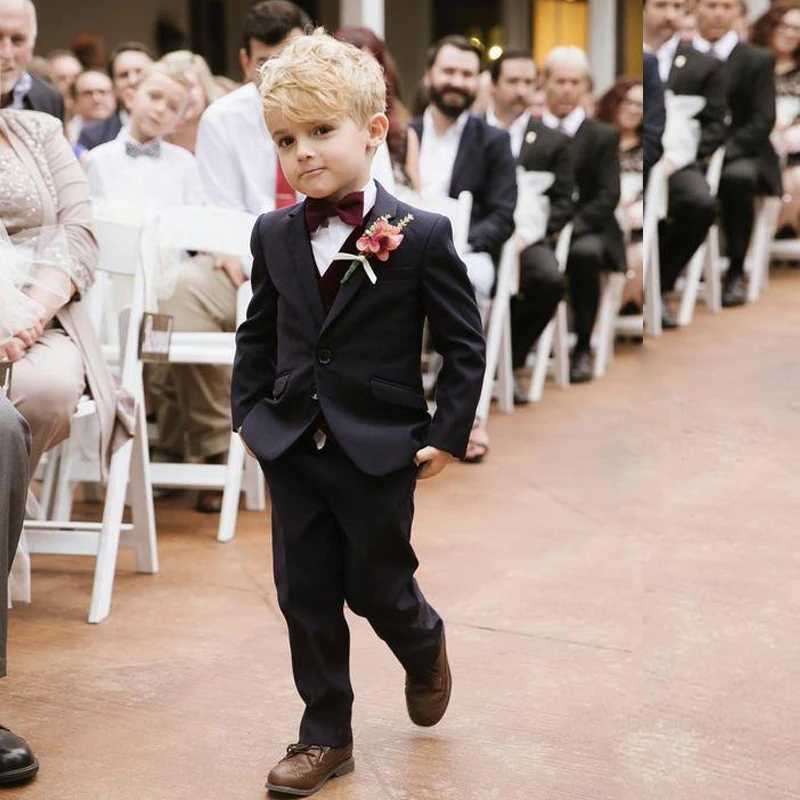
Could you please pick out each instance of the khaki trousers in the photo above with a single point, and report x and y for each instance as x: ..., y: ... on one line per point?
x: 193, y: 409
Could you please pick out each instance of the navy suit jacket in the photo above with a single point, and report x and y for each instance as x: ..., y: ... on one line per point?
x: 97, y: 133
x: 359, y: 365
x: 43, y: 97
x: 655, y: 114
x: 486, y: 167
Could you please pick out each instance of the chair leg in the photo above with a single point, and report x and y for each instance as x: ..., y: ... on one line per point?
x: 49, y: 481
x: 255, y: 493
x: 694, y: 272
x: 544, y: 347
x: 233, y: 488
x: 64, y: 487
x: 713, y: 272
x: 652, y: 295
x: 141, y: 500
x: 505, y: 370
x: 561, y: 346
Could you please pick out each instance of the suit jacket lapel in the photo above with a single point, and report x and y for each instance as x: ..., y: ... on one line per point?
x: 533, y: 128
x: 468, y: 153
x: 385, y: 205
x: 299, y: 247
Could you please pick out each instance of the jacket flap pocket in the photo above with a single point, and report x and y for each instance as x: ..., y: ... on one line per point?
x: 397, y: 394
x: 279, y: 387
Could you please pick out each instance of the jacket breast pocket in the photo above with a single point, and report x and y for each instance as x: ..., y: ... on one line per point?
x: 397, y: 394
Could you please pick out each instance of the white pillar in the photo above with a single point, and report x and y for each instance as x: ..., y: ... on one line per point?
x: 364, y: 12
x: 603, y: 42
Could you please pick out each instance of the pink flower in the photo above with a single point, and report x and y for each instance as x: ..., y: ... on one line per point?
x: 380, y: 240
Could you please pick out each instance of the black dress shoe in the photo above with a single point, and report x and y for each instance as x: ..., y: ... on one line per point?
x: 17, y: 762
x: 668, y: 320
x: 734, y: 292
x: 581, y: 369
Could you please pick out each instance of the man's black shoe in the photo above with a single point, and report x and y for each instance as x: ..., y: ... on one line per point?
x: 17, y: 762
x: 734, y: 292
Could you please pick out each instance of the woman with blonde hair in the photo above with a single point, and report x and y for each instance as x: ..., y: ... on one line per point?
x: 203, y: 91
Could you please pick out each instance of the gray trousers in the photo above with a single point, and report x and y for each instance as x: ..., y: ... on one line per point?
x: 15, y: 442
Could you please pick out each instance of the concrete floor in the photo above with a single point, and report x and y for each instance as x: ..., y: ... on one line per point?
x: 621, y: 586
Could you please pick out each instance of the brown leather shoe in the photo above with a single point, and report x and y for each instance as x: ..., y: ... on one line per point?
x: 427, y: 697
x: 306, y: 767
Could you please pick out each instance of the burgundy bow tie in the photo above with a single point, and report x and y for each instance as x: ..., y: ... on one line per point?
x: 350, y: 210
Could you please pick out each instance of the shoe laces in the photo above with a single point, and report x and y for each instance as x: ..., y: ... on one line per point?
x: 303, y: 749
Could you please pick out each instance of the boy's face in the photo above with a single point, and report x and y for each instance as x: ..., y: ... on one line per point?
x: 156, y: 107
x: 327, y: 157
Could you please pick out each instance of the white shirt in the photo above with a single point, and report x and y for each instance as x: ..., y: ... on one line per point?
x: 666, y: 55
x: 237, y: 157
x: 136, y: 188
x: 516, y: 130
x: 437, y: 155
x: 569, y: 124
x: 722, y: 48
x: 328, y: 239
x: 73, y: 129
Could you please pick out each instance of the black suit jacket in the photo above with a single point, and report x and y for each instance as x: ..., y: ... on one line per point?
x: 97, y: 133
x: 43, y: 97
x: 655, y: 115
x: 750, y: 92
x: 360, y: 364
x: 700, y: 74
x: 546, y: 150
x: 484, y: 166
x: 595, y: 148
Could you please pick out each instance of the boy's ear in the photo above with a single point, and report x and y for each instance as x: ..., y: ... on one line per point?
x: 378, y: 129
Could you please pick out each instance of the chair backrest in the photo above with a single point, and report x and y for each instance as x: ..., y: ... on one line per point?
x: 533, y: 205
x: 714, y: 171
x: 207, y: 229
x: 458, y: 211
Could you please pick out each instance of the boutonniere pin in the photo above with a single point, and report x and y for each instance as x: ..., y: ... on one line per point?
x: 379, y: 240
x: 680, y: 61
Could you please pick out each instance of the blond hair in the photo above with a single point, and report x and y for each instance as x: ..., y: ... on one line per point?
x: 317, y: 76
x: 185, y: 61
x: 170, y: 71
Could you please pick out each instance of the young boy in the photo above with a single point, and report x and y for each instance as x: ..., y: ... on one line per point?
x: 327, y: 393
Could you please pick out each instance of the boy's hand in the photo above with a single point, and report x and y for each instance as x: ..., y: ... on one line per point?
x: 431, y: 461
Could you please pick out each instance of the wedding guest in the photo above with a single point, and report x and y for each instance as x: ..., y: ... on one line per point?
x: 65, y: 67
x: 622, y: 106
x: 327, y: 392
x: 742, y: 22
x: 691, y: 210
x: 463, y: 152
x: 19, y: 89
x: 537, y: 148
x: 92, y: 101
x: 203, y: 91
x: 45, y: 198
x: 17, y: 762
x: 90, y: 50
x: 779, y: 31
x: 751, y: 164
x: 127, y: 63
x: 597, y: 243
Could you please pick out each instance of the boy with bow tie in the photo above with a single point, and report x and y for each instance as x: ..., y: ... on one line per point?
x: 327, y: 393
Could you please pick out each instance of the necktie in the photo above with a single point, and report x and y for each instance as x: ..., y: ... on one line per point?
x: 285, y: 195
x: 350, y: 210
x: 151, y: 149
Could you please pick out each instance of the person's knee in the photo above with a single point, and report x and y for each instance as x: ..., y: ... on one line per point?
x: 54, y: 403
x: 740, y: 175
x: 585, y: 255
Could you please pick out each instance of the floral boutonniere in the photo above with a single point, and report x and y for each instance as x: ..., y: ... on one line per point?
x: 379, y: 240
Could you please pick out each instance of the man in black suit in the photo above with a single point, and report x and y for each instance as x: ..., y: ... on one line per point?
x: 655, y: 115
x: 685, y: 71
x: 18, y: 88
x: 459, y: 151
x: 751, y: 164
x: 536, y: 148
x: 597, y: 242
x: 127, y: 62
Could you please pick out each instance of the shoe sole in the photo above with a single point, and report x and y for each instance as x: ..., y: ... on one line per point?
x: 19, y: 775
x: 345, y: 768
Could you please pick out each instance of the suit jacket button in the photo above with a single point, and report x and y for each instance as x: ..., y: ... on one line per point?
x: 314, y: 396
x: 324, y: 356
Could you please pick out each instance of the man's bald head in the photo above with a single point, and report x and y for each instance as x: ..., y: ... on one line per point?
x: 17, y: 38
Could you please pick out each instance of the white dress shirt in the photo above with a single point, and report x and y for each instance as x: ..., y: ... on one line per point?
x: 569, y: 124
x: 666, y: 55
x: 722, y: 48
x: 516, y: 130
x: 237, y: 157
x: 134, y: 189
x: 437, y: 155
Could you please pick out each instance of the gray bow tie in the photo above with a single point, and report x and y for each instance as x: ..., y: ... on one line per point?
x: 151, y: 149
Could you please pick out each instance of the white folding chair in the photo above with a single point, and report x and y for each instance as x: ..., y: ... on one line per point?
x: 705, y: 263
x: 213, y: 230
x: 129, y: 468
x: 758, y: 254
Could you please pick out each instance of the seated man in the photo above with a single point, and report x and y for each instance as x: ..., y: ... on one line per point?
x: 597, y: 242
x: 459, y: 151
x: 751, y: 164
x: 17, y: 763
x: 536, y: 148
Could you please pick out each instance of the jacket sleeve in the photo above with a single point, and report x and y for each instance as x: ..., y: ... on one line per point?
x: 457, y: 335
x: 595, y: 215
x: 560, y: 193
x: 712, y: 117
x: 489, y: 234
x: 257, y: 338
x: 754, y: 134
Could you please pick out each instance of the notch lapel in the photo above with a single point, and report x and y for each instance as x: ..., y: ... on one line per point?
x: 385, y: 205
x: 298, y: 246
x: 469, y: 154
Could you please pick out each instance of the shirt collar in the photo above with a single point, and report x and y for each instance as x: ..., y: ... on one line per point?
x: 454, y: 130
x: 520, y: 122
x: 722, y: 48
x: 21, y: 90
x: 370, y: 195
x: 570, y: 123
x: 669, y: 47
